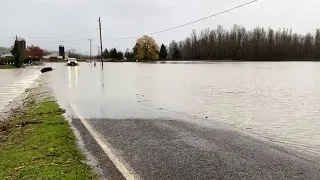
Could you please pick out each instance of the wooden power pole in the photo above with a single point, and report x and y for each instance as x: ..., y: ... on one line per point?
x: 100, y: 41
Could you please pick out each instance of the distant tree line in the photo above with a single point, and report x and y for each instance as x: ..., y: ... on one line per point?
x: 241, y: 44
x: 113, y: 54
x: 238, y: 43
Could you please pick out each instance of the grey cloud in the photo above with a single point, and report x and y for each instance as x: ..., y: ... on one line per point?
x: 122, y: 18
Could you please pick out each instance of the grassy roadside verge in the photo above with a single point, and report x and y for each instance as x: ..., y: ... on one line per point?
x: 38, y: 143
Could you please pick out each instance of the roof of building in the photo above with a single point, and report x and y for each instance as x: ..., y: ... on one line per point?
x: 7, y: 55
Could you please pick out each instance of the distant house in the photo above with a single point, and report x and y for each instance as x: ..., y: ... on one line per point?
x: 6, y: 59
x: 46, y: 57
x: 6, y: 55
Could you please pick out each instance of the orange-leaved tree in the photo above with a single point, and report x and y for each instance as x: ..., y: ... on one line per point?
x: 34, y: 52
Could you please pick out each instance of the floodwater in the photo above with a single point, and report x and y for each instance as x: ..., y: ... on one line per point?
x: 15, y: 81
x: 279, y: 101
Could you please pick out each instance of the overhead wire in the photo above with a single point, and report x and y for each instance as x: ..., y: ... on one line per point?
x: 172, y: 7
x: 189, y: 23
x: 44, y: 38
x: 3, y: 38
x: 202, y: 19
x: 73, y: 40
x: 66, y: 35
x: 167, y: 9
x: 48, y: 38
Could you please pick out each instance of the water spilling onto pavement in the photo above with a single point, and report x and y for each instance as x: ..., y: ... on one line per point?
x: 276, y: 100
x: 15, y: 81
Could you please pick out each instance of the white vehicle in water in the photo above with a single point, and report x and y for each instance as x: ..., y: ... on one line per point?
x: 72, y: 62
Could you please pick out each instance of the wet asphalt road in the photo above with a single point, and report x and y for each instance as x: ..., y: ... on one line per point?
x: 158, y: 144
x: 173, y: 149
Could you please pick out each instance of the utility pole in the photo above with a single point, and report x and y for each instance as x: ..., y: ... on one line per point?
x: 90, y: 49
x: 99, y: 53
x: 100, y: 41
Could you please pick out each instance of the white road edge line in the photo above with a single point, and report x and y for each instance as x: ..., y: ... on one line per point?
x: 126, y: 171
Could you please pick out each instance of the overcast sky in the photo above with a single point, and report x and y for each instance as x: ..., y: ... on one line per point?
x: 41, y: 22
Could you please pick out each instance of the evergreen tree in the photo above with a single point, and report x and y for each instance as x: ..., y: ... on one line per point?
x: 135, y: 50
x: 18, y: 52
x: 163, y: 52
x: 129, y: 55
x: 120, y: 55
x: 113, y: 53
x: 106, y: 54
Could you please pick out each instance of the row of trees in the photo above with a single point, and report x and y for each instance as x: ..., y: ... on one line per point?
x: 21, y: 53
x: 241, y: 44
x: 145, y: 49
x: 24, y: 55
x: 112, y: 54
x: 237, y: 43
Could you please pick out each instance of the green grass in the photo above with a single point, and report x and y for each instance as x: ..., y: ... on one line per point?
x: 39, y: 144
x: 8, y: 66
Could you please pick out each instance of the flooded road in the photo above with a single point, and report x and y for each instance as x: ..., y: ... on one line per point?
x: 279, y: 101
x: 15, y: 81
x: 189, y: 120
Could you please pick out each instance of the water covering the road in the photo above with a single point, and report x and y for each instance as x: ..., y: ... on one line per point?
x: 15, y: 81
x: 276, y: 100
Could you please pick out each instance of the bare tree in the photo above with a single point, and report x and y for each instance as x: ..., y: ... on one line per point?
x: 241, y: 44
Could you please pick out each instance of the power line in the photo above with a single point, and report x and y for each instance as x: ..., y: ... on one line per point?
x: 3, y: 38
x: 133, y: 37
x: 66, y: 35
x: 202, y: 19
x: 192, y: 22
x: 48, y: 38
x: 58, y: 41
